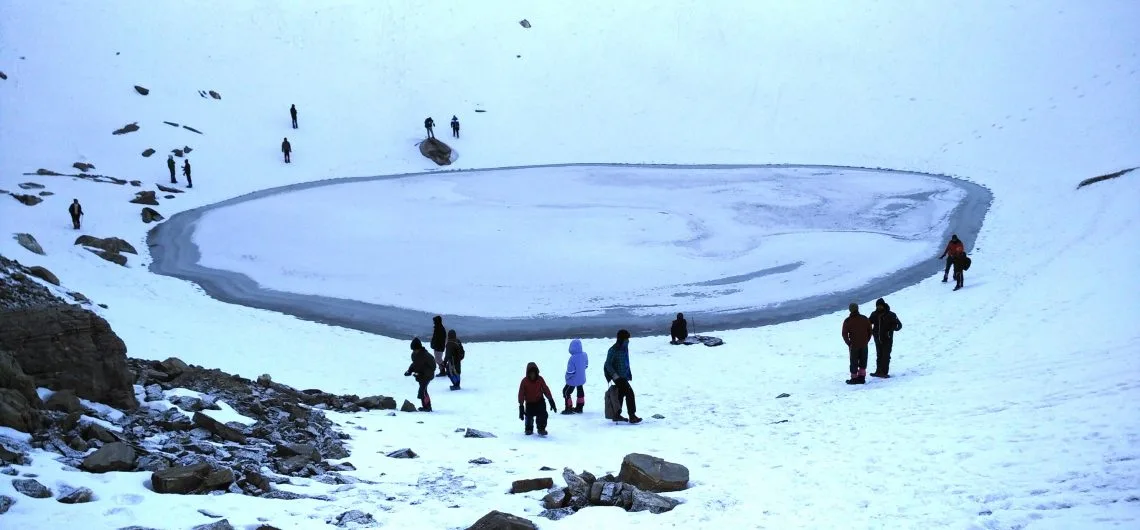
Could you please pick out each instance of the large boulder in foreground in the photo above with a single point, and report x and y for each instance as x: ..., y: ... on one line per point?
x: 497, y: 520
x: 437, y: 151
x: 66, y: 347
x: 650, y: 473
x: 116, y: 456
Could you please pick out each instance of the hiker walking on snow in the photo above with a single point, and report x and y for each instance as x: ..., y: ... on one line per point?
x: 293, y: 114
x: 424, y: 370
x: 531, y: 391
x: 428, y: 124
x: 453, y: 356
x: 575, y: 378
x: 76, y: 211
x: 884, y: 324
x: 186, y: 173
x: 617, y: 370
x: 953, y: 248
x: 170, y: 165
x: 439, y: 343
x: 679, y: 331
x: 857, y: 334
x: 455, y: 127
x: 286, y: 148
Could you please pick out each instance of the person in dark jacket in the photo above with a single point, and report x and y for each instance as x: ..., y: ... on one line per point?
x: 617, y: 369
x: 76, y: 211
x: 455, y: 126
x: 170, y: 165
x: 575, y: 378
x: 429, y: 124
x: 286, y: 148
x: 679, y: 331
x: 186, y: 173
x: 531, y: 391
x: 884, y: 324
x: 857, y: 334
x: 439, y: 344
x: 293, y: 114
x: 953, y: 248
x: 423, y: 367
x: 960, y: 270
x: 453, y: 358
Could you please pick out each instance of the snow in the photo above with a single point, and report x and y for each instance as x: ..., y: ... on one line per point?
x: 1013, y: 397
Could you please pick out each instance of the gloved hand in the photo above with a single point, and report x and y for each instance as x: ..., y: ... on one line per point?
x: 552, y: 407
x: 406, y: 374
x: 521, y: 414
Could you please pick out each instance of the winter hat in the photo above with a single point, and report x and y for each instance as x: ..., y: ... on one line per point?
x: 531, y: 367
x: 853, y: 307
x: 451, y: 334
x: 880, y: 302
x: 416, y: 344
x: 622, y: 335
x: 437, y: 319
x: 680, y: 316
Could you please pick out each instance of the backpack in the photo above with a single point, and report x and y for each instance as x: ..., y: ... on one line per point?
x: 459, y: 355
x: 966, y: 261
x: 613, y: 403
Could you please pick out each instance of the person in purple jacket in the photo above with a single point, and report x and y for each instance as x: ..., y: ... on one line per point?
x: 575, y: 377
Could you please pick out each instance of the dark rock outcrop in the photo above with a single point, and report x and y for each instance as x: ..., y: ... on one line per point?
x: 531, y: 484
x: 650, y: 473
x: 27, y: 200
x: 224, y: 524
x: 77, y: 496
x: 196, y: 478
x: 402, y: 453
x: 150, y: 215
x: 109, y: 248
x: 128, y: 128
x: 496, y: 520
x: 218, y: 428
x: 13, y: 377
x: 437, y: 151
x: 6, y: 502
x: 215, y: 95
x: 29, y: 242
x: 149, y: 151
x: 191, y: 129
x: 31, y: 488
x: 83, y: 166
x: 377, y: 402
x: 475, y: 433
x: 142, y: 91
x: 145, y: 197
x: 43, y: 274
x: 115, y: 456
x: 16, y: 412
x: 407, y: 407
x: 31, y: 185
x: 63, y: 401
x: 168, y: 189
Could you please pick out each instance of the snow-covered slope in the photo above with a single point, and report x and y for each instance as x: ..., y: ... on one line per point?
x: 1013, y: 403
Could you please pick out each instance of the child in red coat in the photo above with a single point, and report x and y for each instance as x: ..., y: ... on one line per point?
x: 531, y: 391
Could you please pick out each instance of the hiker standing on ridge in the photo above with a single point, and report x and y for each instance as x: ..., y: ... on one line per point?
x: 424, y: 369
x: 286, y: 148
x: 679, y: 331
x: 884, y: 324
x: 531, y: 391
x: 170, y: 165
x: 575, y: 378
x: 428, y: 124
x: 439, y: 343
x: 293, y: 114
x: 455, y: 126
x: 953, y: 248
x: 857, y: 333
x: 186, y: 173
x: 617, y: 370
x: 76, y: 211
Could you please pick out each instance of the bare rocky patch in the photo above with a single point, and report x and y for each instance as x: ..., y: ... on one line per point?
x: 128, y: 128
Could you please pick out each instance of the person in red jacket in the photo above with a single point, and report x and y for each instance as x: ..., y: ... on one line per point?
x: 857, y: 334
x: 953, y: 249
x: 531, y: 391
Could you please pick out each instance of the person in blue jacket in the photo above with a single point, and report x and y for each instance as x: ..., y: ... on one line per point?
x: 617, y: 370
x: 575, y: 378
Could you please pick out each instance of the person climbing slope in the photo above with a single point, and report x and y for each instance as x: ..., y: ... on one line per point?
x: 424, y: 369
x: 575, y: 378
x: 531, y: 391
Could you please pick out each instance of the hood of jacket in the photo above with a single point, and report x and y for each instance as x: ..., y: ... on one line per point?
x: 575, y: 347
x: 531, y: 367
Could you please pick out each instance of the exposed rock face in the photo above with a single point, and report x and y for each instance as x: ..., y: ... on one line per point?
x: 116, y: 456
x: 128, y: 128
x: 142, y: 91
x: 437, y: 151
x: 650, y: 473
x: 30, y: 243
x: 149, y: 151
x: 145, y: 197
x: 43, y: 274
x: 31, y: 487
x: 149, y: 215
x: 63, y: 401
x: 16, y: 412
x: 12, y: 377
x: 532, y: 484
x: 497, y: 520
x: 68, y: 347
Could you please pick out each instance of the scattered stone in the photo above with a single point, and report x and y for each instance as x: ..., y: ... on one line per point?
x: 658, y: 417
x: 402, y: 453
x: 115, y: 456
x: 128, y: 128
x: 31, y: 185
x: 154, y: 393
x: 94, y: 431
x: 149, y: 151
x: 27, y: 200
x: 557, y: 514
x: 5, y: 503
x: 546, y: 468
x: 644, y: 501
x: 653, y: 474
x: 77, y: 496
x: 173, y: 366
x: 224, y: 524
x: 531, y: 484
x: 29, y: 242
x: 83, y: 166
x: 220, y: 429
x: 473, y: 433
x: 109, y: 244
x: 9, y: 456
x: 150, y: 215
x: 377, y: 402
x: 781, y: 396
x: 355, y: 517
x: 3, y: 76
x: 145, y: 197
x: 63, y: 401
x: 186, y: 149
x: 437, y: 151
x: 113, y: 257
x: 177, y: 152
x: 496, y: 520
x: 43, y: 274
x: 141, y: 90
x: 170, y: 123
x: 407, y: 407
x: 482, y: 461
x: 196, y: 478
x: 47, y: 173
x: 45, y: 193
x: 215, y: 95
x: 168, y: 189
x: 556, y: 499
x: 32, y: 488
x: 191, y: 129
x: 167, y: 196
x: 525, y: 23
x: 306, y: 451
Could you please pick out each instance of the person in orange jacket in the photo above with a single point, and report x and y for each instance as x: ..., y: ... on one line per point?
x: 953, y: 249
x: 531, y: 391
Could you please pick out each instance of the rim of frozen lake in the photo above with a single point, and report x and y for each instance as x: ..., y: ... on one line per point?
x: 174, y: 253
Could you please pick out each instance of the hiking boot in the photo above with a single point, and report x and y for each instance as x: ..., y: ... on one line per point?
x: 854, y: 377
x: 453, y: 387
x: 956, y: 287
x: 578, y: 409
x: 945, y: 279
x: 620, y: 418
x: 441, y: 374
x: 567, y: 412
x: 528, y: 432
x: 634, y: 419
x: 424, y: 409
x: 542, y: 433
x: 877, y: 374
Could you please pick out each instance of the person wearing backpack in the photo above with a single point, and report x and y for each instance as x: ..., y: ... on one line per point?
x: 438, y: 343
x: 961, y: 263
x: 953, y: 248
x: 575, y: 378
x: 453, y: 357
x: 884, y: 324
x: 531, y: 391
x: 424, y: 369
x: 617, y: 370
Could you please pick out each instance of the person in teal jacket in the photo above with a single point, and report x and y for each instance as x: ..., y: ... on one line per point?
x: 617, y: 370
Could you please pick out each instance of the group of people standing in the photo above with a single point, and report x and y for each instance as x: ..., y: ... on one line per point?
x: 429, y: 124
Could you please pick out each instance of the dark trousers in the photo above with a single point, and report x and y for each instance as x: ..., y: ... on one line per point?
x: 189, y: 181
x: 677, y: 338
x: 455, y: 132
x: 883, y: 357
x: 422, y: 395
x: 959, y: 277
x: 858, y: 358
x: 75, y: 221
x: 430, y: 133
x: 172, y: 179
x: 294, y: 122
x: 626, y: 391
x: 568, y: 390
x: 949, y: 263
x: 286, y: 157
x: 536, y: 412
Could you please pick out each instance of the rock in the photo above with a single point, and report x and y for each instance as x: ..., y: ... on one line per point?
x: 293, y: 464
x: 220, y: 429
x: 5, y: 503
x: 264, y: 380
x: 77, y: 496
x: 657, y: 417
x: 154, y: 393
x: 28, y: 200
x: 149, y: 151
x: 546, y: 468
x: 556, y: 499
x: 152, y: 463
x: 46, y: 173
x: 481, y: 461
x: 31, y: 487
x: 173, y: 366
x: 168, y: 189
x: 9, y: 456
x: 170, y: 123
x: 303, y: 450
x: 108, y: 244
x: 115, y: 456
x: 215, y: 95
x: 356, y: 517
x: 224, y: 524
x: 141, y: 90
x: 436, y: 150
x: 94, y: 431
x: 377, y: 402
x: 187, y: 149
x: 31, y: 185
x: 644, y: 501
x: 606, y: 493
x: 63, y: 401
x: 29, y: 242
x: 402, y: 453
x: 78, y: 444
x: 149, y: 215
x: 180, y: 479
x: 43, y: 274
x: 3, y: 76
x: 16, y: 412
x: 113, y: 257
x: 407, y: 407
x: 525, y: 23
x: 653, y: 474
x: 136, y: 183
x: 177, y: 152
x: 577, y: 487
x: 128, y: 128
x: 45, y: 194
x: 496, y: 520
x: 191, y: 129
x: 531, y: 484
x: 556, y: 514
x: 145, y: 197
x: 218, y: 478
x: 473, y: 433
x: 781, y: 396
x: 83, y: 166
x: 167, y: 196
x: 12, y: 377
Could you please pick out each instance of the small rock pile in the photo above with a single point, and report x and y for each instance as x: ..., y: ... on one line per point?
x: 635, y: 489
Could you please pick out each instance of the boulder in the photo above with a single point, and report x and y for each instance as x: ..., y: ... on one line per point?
x: 47, y: 173
x: 108, y: 244
x: 28, y: 200
x: 377, y: 402
x: 43, y: 274
x: 224, y: 524
x: 113, y: 257
x: 436, y: 150
x: 63, y: 401
x: 531, y: 484
x: 3, y: 76
x: 557, y: 513
x: 407, y: 407
x: 30, y: 243
x: 142, y: 91
x: 402, y: 453
x: 115, y: 456
x: 17, y: 413
x: 45, y: 194
x: 187, y: 149
x: 556, y: 499
x: 83, y: 166
x: 77, y: 496
x: 9, y: 456
x: 496, y: 520
x: 180, y: 479
x: 481, y: 461
x: 644, y: 501
x: 5, y: 503
x: 145, y: 197
x: 219, y: 429
x: 153, y: 393
x: 177, y: 152
x: 606, y: 493
x: 168, y: 189
x: 784, y: 395
x: 473, y: 433
x: 303, y: 450
x: 128, y: 128
x: 152, y: 463
x: 650, y: 473
x: 525, y: 23
x: 94, y: 431
x: 31, y: 185
x: 12, y: 377
x: 173, y: 366
x: 149, y: 151
x: 355, y: 517
x: 31, y: 488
